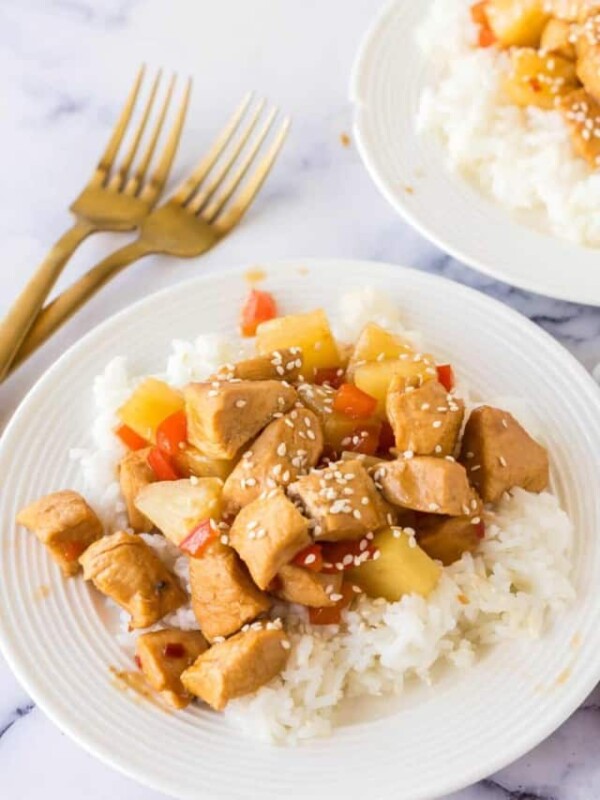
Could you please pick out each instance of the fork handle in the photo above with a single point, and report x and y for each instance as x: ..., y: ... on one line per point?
x: 66, y: 304
x: 20, y: 317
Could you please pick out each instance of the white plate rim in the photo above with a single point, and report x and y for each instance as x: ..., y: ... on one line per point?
x: 545, y: 247
x: 68, y: 724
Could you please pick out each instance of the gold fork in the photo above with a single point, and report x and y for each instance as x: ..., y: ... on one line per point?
x: 116, y: 198
x: 202, y: 211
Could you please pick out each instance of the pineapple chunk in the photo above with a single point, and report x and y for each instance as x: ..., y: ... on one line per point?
x: 190, y: 461
x: 517, y: 22
x: 376, y: 344
x: 310, y: 332
x: 375, y: 378
x: 151, y: 403
x: 398, y: 570
x: 558, y: 38
x: 538, y: 79
x: 177, y: 507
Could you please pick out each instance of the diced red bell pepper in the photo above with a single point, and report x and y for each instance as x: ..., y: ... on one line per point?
x: 387, y: 439
x: 259, y: 307
x: 445, y: 375
x: 332, y: 615
x: 162, y: 466
x: 72, y: 550
x: 172, y: 432
x: 479, y: 13
x: 480, y: 530
x: 368, y: 438
x: 138, y: 662
x: 339, y: 556
x: 333, y: 376
x: 130, y: 438
x: 353, y: 402
x: 196, y: 542
x: 310, y: 558
x: 486, y: 37
x: 173, y: 650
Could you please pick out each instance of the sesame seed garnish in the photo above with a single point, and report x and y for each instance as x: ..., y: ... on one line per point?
x: 425, y: 407
x: 281, y: 449
x: 224, y: 539
x: 408, y: 454
x: 285, y: 644
x: 310, y: 558
x: 434, y: 507
x: 504, y: 423
x: 194, y: 480
x: 475, y: 467
x: 241, y: 403
x: 213, y: 393
x: 336, y: 597
x: 502, y: 461
x: 365, y: 501
x: 438, y: 448
x: 476, y: 520
x: 470, y: 455
x: 437, y: 423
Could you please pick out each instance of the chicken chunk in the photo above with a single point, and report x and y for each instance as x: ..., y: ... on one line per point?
x: 126, y: 569
x: 288, y: 447
x: 223, y: 416
x: 281, y: 365
x: 425, y: 483
x: 65, y: 523
x: 224, y: 597
x: 499, y: 454
x: 313, y: 589
x: 134, y: 474
x: 426, y: 421
x: 447, y: 538
x: 238, y: 666
x: 582, y: 115
x: 343, y: 501
x: 176, y: 508
x: 190, y: 461
x: 164, y: 655
x: 267, y: 534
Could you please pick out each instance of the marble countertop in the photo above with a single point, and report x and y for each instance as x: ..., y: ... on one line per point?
x: 64, y: 68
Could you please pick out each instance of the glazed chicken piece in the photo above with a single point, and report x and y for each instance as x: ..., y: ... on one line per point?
x: 582, y: 115
x: 66, y: 524
x: 281, y: 365
x: 425, y: 421
x: 499, y: 454
x: 342, y: 500
x: 126, y: 569
x: 176, y: 508
x: 426, y: 483
x: 313, y: 589
x: 238, y: 666
x: 134, y: 474
x: 267, y: 534
x: 223, y: 416
x: 224, y: 597
x: 288, y: 447
x: 190, y: 461
x: 164, y: 655
x: 447, y: 538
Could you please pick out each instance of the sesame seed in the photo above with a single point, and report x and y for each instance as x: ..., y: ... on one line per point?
x: 376, y: 555
x: 504, y: 423
x: 194, y: 480
x: 241, y: 403
x: 356, y: 513
x: 476, y: 520
x: 213, y: 393
x: 281, y: 449
x: 336, y: 597
x: 438, y: 448
x: 285, y: 644
x: 224, y: 539
x: 470, y: 455
x: 437, y: 423
x: 502, y: 461
x: 365, y: 501
x: 475, y: 467
x: 310, y: 559
x: 434, y: 507
x: 425, y: 407
x: 408, y: 454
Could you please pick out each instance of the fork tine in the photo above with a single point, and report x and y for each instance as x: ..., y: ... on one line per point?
x: 120, y: 175
x: 204, y: 195
x: 157, y: 180
x: 136, y: 179
x: 189, y: 186
x: 106, y: 161
x: 230, y: 218
x: 211, y: 212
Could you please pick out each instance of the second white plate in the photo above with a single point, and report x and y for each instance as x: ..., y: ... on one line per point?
x: 388, y: 76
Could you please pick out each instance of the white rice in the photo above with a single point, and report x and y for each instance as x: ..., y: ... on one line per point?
x: 521, y: 157
x: 514, y: 585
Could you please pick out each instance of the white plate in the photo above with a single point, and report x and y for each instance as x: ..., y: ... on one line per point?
x: 409, y: 169
x: 460, y: 730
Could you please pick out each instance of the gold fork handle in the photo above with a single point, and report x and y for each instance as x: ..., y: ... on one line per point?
x: 20, y: 318
x: 66, y: 304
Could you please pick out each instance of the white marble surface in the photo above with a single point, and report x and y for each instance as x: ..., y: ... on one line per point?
x: 64, y: 65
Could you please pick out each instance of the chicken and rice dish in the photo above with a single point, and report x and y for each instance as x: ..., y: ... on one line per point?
x: 307, y: 490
